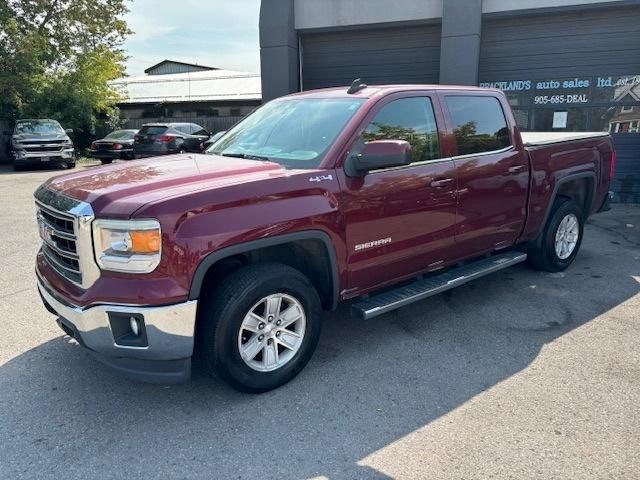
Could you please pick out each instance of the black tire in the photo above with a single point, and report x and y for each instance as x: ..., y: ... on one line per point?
x: 71, y: 165
x: 222, y: 314
x: 106, y: 161
x: 182, y: 149
x: 545, y: 257
x: 18, y: 168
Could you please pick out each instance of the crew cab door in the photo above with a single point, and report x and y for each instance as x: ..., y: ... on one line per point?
x: 492, y: 170
x: 399, y: 221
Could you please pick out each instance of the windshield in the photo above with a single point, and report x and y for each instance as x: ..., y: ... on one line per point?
x: 39, y: 127
x: 295, y: 133
x: 121, y: 135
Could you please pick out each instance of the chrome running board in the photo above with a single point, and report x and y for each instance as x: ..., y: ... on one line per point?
x: 389, y: 300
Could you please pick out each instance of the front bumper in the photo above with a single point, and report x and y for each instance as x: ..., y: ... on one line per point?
x: 160, y: 353
x: 23, y: 156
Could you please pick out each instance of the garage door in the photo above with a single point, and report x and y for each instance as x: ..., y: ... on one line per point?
x: 378, y: 56
x: 593, y: 42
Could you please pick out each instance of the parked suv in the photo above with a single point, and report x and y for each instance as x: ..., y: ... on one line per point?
x: 41, y: 142
x: 165, y: 138
x: 383, y: 195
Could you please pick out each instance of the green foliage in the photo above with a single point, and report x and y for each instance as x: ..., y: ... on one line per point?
x: 57, y: 57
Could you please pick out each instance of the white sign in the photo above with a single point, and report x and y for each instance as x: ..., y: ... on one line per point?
x: 559, y: 120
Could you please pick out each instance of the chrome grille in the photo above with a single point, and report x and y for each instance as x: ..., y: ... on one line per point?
x: 43, y: 148
x: 59, y: 242
x: 65, y: 228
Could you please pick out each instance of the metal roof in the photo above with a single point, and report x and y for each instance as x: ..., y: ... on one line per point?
x: 207, y: 86
x: 164, y: 67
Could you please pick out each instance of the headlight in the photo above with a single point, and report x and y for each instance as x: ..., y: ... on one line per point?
x: 131, y: 246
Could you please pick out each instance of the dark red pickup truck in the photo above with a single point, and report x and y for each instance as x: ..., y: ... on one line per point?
x: 385, y: 195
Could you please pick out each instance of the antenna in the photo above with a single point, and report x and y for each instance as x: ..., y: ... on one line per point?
x: 356, y: 86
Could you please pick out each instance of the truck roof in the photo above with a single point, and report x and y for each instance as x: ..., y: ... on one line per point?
x: 375, y: 90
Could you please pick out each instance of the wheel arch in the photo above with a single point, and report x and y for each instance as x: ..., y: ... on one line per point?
x: 580, y: 187
x: 324, y: 275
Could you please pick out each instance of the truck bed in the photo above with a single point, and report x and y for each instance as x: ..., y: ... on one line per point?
x: 534, y: 139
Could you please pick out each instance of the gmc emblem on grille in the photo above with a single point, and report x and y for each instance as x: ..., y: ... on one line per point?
x: 46, y: 233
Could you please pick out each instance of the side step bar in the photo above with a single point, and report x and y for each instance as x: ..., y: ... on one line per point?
x: 381, y: 303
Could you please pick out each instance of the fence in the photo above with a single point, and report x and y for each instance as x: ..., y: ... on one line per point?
x: 211, y: 124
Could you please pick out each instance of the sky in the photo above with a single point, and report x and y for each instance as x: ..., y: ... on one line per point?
x: 216, y: 33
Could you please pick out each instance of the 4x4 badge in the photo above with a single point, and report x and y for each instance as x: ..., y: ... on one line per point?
x: 321, y: 178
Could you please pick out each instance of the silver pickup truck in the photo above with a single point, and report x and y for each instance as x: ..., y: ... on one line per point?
x: 40, y: 141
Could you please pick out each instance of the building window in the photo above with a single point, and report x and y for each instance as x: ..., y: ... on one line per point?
x: 626, y: 109
x: 207, y: 112
x: 625, y: 127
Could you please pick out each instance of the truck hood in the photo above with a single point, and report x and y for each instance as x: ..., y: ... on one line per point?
x: 119, y: 190
x: 41, y: 137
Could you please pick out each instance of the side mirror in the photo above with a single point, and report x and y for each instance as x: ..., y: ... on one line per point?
x: 68, y: 131
x: 379, y: 154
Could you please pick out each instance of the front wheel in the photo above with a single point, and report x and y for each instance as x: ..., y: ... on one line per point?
x: 260, y: 328
x: 561, y: 237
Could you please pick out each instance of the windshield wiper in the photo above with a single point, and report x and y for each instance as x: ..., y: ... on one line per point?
x: 246, y: 156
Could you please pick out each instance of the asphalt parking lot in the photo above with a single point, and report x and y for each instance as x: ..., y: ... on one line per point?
x: 518, y: 375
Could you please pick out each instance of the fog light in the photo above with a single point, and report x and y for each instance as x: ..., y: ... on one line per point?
x: 135, y: 327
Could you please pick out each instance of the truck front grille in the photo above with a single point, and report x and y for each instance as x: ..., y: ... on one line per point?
x: 43, y: 148
x: 59, y: 242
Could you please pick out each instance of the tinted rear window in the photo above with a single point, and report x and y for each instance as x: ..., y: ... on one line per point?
x: 153, y: 130
x: 121, y: 135
x: 479, y: 124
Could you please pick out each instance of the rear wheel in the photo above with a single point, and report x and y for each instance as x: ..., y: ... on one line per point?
x: 561, y: 237
x: 105, y: 161
x: 71, y: 165
x: 261, y: 327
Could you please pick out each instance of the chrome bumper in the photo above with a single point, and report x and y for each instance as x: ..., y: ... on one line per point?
x: 25, y: 155
x: 169, y: 332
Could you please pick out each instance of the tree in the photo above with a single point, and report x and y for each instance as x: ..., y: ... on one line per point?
x: 57, y: 57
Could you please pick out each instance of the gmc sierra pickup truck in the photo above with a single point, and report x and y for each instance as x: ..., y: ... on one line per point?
x: 384, y: 195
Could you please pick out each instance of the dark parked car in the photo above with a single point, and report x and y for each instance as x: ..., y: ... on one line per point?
x: 214, y: 138
x: 165, y: 138
x: 118, y: 144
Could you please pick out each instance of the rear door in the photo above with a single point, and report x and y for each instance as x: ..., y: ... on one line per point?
x: 400, y: 221
x: 492, y: 173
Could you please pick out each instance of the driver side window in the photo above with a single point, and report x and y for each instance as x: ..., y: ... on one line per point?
x: 410, y: 119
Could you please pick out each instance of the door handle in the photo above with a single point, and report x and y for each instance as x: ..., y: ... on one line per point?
x: 516, y: 169
x: 441, y: 183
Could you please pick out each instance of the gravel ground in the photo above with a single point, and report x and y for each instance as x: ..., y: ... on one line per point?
x: 518, y: 375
